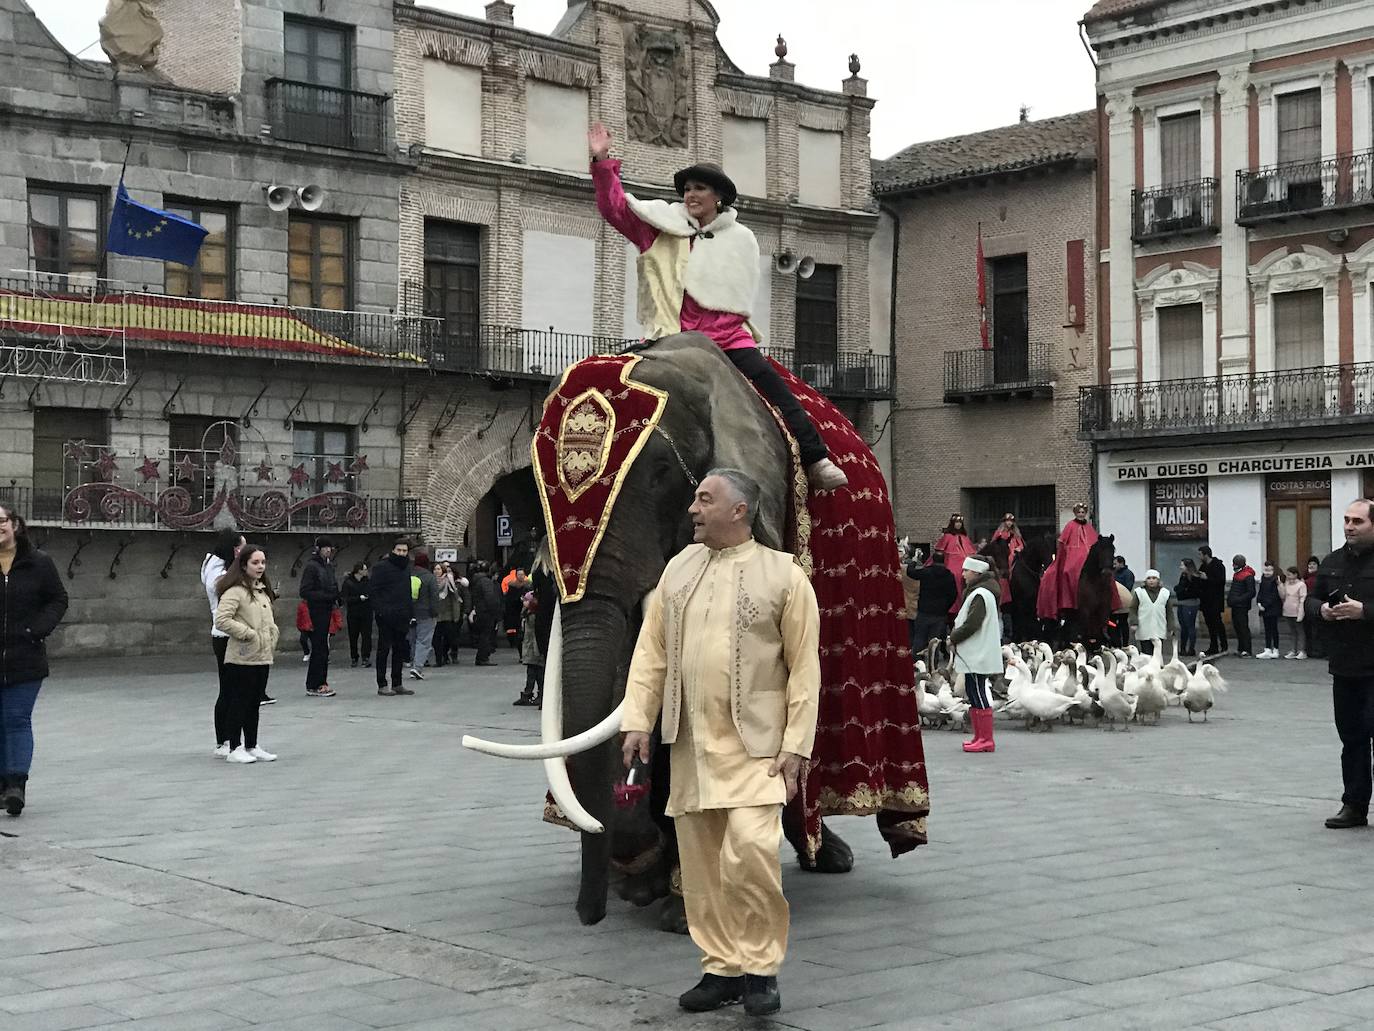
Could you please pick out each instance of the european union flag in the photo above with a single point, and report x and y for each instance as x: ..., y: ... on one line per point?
x: 144, y: 232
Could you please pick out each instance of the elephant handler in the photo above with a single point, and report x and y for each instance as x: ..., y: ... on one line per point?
x: 699, y: 272
x: 728, y: 653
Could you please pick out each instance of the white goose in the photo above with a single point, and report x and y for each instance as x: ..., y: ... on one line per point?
x: 1200, y: 693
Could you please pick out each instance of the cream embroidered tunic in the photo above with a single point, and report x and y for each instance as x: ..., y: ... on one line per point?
x: 711, y: 768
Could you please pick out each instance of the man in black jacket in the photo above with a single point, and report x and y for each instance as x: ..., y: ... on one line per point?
x: 394, y: 608
x: 1213, y: 595
x: 1345, y: 587
x: 486, y: 611
x: 938, y: 591
x: 320, y: 591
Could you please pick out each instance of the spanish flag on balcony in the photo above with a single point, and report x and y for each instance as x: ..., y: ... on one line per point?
x: 143, y: 232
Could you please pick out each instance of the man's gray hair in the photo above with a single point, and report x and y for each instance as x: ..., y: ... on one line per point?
x: 743, y: 485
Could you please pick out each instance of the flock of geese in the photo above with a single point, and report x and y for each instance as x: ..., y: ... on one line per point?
x: 1041, y: 687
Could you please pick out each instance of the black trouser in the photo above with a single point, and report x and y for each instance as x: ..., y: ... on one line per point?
x: 485, y: 630
x: 1271, y: 617
x: 1240, y: 624
x: 534, y: 683
x: 1216, y: 630
x: 773, y: 387
x: 317, y: 673
x: 925, y: 629
x: 359, y: 633
x: 1147, y: 647
x: 245, y: 686
x: 391, y: 641
x: 222, y: 731
x: 1353, y: 703
x: 445, y: 644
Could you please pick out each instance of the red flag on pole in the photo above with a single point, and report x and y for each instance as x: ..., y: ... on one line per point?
x: 982, y: 293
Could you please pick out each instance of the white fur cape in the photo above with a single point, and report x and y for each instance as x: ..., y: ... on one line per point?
x: 723, y: 270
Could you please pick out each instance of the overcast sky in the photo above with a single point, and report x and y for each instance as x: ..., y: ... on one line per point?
x: 937, y: 68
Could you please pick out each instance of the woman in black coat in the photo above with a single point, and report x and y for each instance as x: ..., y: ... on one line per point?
x: 32, y: 603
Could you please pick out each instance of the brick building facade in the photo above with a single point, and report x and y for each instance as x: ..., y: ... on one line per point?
x: 981, y: 431
x: 370, y: 359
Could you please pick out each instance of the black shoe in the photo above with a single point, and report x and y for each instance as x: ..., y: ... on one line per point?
x: 761, y: 996
x: 524, y: 699
x: 354, y: 663
x: 367, y: 663
x: 1349, y: 816
x: 14, y: 796
x: 487, y: 663
x: 711, y: 993
x: 398, y: 689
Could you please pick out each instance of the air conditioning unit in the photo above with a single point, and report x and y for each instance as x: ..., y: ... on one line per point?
x: 820, y: 375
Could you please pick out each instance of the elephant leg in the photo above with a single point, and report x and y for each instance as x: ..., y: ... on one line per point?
x: 593, y: 769
x: 833, y: 856
x: 672, y: 915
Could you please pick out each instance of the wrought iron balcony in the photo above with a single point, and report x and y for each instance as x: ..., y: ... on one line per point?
x: 1174, y: 210
x: 306, y: 113
x: 852, y: 375
x: 1291, y: 399
x: 48, y: 315
x: 977, y: 374
x: 508, y: 351
x: 1305, y: 188
x: 107, y: 487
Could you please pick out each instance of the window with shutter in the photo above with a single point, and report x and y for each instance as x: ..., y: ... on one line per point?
x: 1299, y: 330
x: 1180, y: 341
x: 1180, y: 148
x: 1299, y: 126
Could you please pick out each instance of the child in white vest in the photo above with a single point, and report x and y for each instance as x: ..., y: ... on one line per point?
x: 1153, y: 612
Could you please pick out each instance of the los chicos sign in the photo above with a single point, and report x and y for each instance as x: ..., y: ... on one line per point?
x: 1241, y: 465
x: 1178, y: 510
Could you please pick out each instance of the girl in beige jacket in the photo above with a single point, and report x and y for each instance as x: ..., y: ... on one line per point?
x: 245, y: 614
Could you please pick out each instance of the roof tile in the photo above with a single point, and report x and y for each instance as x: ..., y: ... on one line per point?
x: 1006, y: 149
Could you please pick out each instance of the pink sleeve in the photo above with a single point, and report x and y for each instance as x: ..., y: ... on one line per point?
x: 610, y: 201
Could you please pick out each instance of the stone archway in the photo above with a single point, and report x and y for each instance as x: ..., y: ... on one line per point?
x: 469, y: 470
x: 514, y: 492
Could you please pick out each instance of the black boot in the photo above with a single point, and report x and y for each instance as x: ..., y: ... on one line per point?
x: 1349, y: 816
x: 14, y: 793
x: 761, y: 995
x: 711, y: 993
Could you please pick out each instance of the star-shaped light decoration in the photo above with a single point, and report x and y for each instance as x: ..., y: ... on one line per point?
x: 264, y: 471
x: 359, y: 465
x: 227, y: 454
x: 106, y: 465
x: 149, y: 469
x: 75, y: 450
x: 298, y: 477
x: 336, y: 472
x: 186, y: 469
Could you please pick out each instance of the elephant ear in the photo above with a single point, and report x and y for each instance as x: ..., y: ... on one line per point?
x: 705, y: 391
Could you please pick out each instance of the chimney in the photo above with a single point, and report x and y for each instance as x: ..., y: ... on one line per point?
x: 501, y: 13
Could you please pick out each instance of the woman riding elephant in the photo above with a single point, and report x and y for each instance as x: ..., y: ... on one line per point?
x: 699, y: 272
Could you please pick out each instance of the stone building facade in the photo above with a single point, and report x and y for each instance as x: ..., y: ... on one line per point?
x: 979, y: 431
x: 368, y: 358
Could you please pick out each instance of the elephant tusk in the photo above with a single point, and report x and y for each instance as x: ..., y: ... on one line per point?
x: 551, y: 726
x: 599, y: 734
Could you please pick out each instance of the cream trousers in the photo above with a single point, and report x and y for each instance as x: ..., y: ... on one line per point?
x: 732, y: 887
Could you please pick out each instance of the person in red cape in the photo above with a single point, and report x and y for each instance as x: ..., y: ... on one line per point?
x: 1059, y: 588
x: 1011, y: 533
x: 956, y: 545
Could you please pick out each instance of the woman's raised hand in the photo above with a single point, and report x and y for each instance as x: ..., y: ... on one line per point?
x: 599, y: 142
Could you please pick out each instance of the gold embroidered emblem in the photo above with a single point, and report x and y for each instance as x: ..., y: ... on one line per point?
x: 584, y: 442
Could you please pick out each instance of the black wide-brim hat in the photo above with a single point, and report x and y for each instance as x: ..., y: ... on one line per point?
x: 713, y: 176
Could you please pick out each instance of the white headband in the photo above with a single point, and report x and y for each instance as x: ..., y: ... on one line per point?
x: 1152, y: 572
x: 976, y: 565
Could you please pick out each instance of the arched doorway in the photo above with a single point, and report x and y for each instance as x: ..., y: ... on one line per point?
x: 514, y: 495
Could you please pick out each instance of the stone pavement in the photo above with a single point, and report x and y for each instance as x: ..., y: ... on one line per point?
x: 380, y: 876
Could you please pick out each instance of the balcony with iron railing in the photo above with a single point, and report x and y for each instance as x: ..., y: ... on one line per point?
x: 515, y: 353
x: 108, y: 487
x: 1177, y: 209
x: 42, y: 312
x: 980, y: 375
x: 850, y: 375
x: 1305, y: 188
x: 303, y: 112
x: 1290, y: 399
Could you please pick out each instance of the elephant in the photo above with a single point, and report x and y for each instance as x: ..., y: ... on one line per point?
x: 710, y: 417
